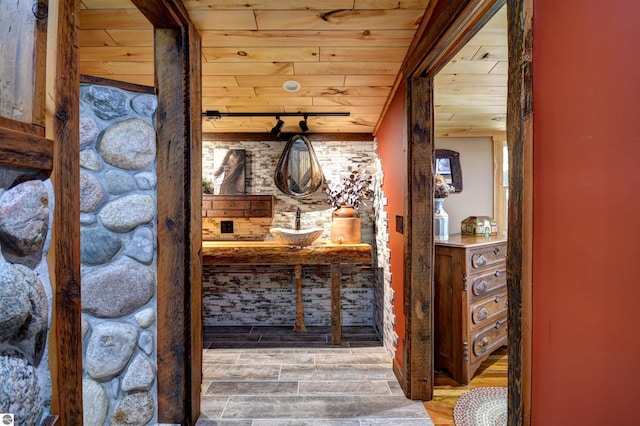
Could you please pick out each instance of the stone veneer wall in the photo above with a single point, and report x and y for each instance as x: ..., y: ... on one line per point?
x: 268, y: 298
x: 26, y: 211
x: 385, y: 318
x: 118, y: 247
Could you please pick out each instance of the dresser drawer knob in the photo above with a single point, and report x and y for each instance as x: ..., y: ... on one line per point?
x: 497, y: 299
x: 496, y: 250
x: 499, y: 324
x: 479, y: 261
x: 497, y: 274
x: 481, y: 286
x: 483, y: 313
x: 483, y: 342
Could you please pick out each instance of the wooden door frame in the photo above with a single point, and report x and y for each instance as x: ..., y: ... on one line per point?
x: 450, y: 24
x: 177, y: 53
x: 179, y: 318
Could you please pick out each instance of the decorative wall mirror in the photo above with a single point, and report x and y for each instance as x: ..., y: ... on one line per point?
x: 298, y: 172
x: 448, y: 166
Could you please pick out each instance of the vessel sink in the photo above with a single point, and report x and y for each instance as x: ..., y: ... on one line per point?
x: 296, y: 237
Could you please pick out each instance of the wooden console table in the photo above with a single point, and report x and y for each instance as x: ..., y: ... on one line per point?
x: 270, y: 252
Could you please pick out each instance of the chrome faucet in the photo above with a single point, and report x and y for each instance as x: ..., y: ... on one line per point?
x: 297, y: 219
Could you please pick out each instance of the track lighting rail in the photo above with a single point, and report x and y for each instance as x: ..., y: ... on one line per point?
x: 277, y: 129
x: 215, y: 115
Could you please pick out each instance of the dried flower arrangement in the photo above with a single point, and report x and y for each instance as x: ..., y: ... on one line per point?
x: 441, y: 188
x: 350, y: 188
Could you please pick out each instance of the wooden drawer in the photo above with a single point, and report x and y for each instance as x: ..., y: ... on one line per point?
x: 258, y: 213
x: 484, y: 284
x: 224, y: 213
x: 237, y: 206
x: 490, y: 338
x: 230, y: 205
x: 487, y: 310
x: 261, y: 204
x: 489, y: 257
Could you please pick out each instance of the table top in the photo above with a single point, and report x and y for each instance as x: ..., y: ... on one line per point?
x: 459, y: 240
x: 266, y: 252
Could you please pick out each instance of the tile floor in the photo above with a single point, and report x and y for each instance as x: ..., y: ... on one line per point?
x: 268, y: 376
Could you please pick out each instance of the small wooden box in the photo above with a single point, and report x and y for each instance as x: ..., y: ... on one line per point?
x: 479, y: 225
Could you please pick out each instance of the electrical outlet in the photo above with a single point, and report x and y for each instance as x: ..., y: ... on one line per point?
x: 400, y: 224
x: 226, y: 227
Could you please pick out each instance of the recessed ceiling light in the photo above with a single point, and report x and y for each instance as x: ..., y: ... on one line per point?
x: 291, y: 86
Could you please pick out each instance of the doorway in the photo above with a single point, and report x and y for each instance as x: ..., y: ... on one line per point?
x: 470, y: 94
x: 453, y: 26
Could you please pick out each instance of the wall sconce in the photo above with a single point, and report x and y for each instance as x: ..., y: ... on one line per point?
x: 277, y: 129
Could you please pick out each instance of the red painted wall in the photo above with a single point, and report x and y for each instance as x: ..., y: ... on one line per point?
x: 392, y: 152
x: 586, y: 294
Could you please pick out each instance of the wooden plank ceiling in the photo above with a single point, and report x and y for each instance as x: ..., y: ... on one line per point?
x: 345, y: 55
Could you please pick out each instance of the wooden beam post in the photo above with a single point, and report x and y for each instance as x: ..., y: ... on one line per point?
x: 178, y: 72
x: 419, y: 243
x: 519, y: 250
x: 64, y: 255
x: 173, y: 377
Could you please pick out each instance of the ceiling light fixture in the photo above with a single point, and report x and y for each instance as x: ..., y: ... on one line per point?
x: 303, y: 125
x: 291, y: 86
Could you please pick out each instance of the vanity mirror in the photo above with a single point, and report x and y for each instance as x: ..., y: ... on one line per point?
x: 298, y: 172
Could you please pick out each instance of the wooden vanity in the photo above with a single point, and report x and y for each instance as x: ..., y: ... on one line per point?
x: 271, y: 252
x: 470, y: 302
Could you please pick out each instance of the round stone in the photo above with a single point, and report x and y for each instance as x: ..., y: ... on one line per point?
x: 109, y: 349
x: 14, y: 305
x: 141, y: 247
x: 117, y: 289
x: 91, y: 193
x: 24, y: 218
x: 146, y: 180
x: 134, y: 409
x: 87, y: 219
x: 105, y: 102
x: 118, y: 182
x: 19, y: 389
x: 95, y: 403
x: 126, y: 213
x: 139, y: 375
x: 146, y: 342
x: 23, y: 303
x: 98, y: 246
x: 129, y: 144
x: 89, y: 130
x: 89, y: 160
x: 144, y: 104
x: 145, y: 317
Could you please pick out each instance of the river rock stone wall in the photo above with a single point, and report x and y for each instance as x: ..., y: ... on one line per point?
x: 118, y: 252
x: 26, y: 211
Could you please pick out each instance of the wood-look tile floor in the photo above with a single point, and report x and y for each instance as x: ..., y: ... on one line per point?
x: 272, y: 376
x: 446, y: 391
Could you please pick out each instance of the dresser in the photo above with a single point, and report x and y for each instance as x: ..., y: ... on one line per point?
x: 470, y: 302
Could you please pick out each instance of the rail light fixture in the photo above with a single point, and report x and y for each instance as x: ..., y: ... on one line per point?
x: 304, y: 127
x: 277, y: 129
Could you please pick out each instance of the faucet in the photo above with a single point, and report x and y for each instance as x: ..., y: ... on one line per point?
x: 297, y: 219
